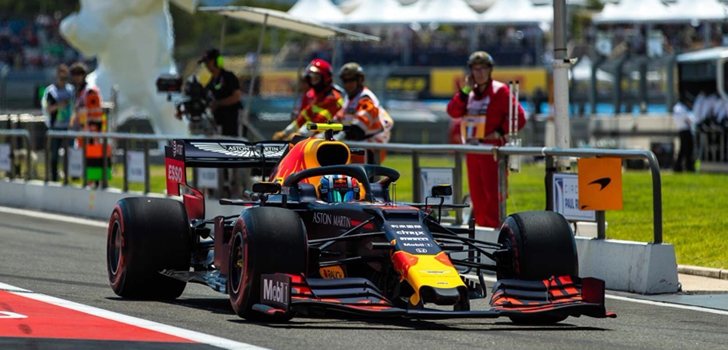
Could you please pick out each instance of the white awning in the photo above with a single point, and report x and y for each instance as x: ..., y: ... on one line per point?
x: 283, y: 20
x: 632, y: 11
x: 323, y: 11
x: 517, y: 12
x: 187, y: 5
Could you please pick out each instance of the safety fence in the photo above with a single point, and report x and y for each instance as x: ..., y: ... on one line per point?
x: 122, y: 142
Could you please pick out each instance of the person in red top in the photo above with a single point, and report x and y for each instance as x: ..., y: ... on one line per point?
x: 326, y: 102
x: 482, y: 109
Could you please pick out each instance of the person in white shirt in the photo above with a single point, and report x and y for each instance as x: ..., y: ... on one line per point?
x: 57, y: 104
x: 684, y: 120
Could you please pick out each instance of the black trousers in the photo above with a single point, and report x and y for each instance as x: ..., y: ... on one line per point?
x: 685, y: 159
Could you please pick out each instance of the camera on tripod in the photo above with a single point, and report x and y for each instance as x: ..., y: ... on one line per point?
x: 191, y: 101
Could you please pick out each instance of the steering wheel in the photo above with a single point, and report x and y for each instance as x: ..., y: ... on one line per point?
x: 360, y: 172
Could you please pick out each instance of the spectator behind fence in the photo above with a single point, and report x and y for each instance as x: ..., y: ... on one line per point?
x: 366, y: 118
x: 482, y: 108
x: 326, y: 102
x: 225, y: 90
x: 89, y: 116
x: 57, y: 104
x: 684, y: 121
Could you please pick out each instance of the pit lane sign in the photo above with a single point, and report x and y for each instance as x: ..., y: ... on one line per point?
x: 135, y: 166
x: 566, y: 198
x: 5, y: 157
x: 432, y: 177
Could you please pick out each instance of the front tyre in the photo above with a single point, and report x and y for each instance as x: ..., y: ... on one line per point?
x: 542, y: 245
x: 144, y: 237
x: 266, y: 240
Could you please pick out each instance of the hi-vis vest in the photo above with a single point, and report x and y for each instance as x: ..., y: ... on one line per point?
x: 472, y: 126
x: 376, y: 123
x: 88, y: 107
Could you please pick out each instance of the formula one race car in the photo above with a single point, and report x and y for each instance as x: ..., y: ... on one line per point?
x: 324, y: 236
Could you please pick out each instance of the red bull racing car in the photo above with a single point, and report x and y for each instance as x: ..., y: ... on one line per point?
x: 323, y: 235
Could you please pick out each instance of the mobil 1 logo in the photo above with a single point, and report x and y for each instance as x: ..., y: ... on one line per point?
x: 413, y: 238
x: 275, y: 290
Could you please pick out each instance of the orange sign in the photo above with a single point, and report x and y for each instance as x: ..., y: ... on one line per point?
x: 600, y: 184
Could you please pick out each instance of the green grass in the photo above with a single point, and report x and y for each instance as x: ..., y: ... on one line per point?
x: 695, y: 206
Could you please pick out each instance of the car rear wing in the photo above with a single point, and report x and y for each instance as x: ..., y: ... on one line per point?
x: 211, y: 153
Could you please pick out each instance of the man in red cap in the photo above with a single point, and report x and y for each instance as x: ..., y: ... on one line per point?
x: 482, y: 107
x: 326, y: 102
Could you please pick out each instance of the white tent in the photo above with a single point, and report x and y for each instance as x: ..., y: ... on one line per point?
x: 700, y: 10
x: 283, y: 20
x: 631, y: 11
x: 517, y: 12
x: 380, y: 12
x: 582, y: 71
x: 317, y: 10
x: 443, y: 11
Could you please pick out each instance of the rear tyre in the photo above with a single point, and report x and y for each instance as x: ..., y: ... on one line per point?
x: 144, y: 237
x: 266, y: 240
x: 542, y: 245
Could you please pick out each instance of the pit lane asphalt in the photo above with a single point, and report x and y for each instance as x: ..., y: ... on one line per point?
x: 67, y: 260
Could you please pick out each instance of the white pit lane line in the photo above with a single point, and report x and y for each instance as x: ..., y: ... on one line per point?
x: 134, y: 321
x: 54, y: 217
x: 98, y: 223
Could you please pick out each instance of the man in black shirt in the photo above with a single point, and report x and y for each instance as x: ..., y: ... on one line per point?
x: 225, y: 89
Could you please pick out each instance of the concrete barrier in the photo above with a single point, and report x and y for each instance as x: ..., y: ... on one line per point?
x: 625, y: 266
x: 76, y: 201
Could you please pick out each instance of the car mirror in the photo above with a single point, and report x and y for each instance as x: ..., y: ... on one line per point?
x: 441, y: 190
x: 266, y: 187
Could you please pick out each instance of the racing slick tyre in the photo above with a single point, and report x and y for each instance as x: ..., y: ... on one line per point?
x: 542, y: 245
x: 146, y: 236
x: 266, y: 240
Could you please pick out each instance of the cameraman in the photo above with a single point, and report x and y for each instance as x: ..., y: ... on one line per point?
x: 225, y: 89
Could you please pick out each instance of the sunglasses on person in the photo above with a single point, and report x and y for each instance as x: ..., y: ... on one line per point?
x: 349, y: 80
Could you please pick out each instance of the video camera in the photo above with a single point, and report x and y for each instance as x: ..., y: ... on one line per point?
x: 192, y: 102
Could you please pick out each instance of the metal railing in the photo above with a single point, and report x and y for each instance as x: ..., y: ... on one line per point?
x: 69, y: 136
x: 502, y: 153
x: 13, y: 134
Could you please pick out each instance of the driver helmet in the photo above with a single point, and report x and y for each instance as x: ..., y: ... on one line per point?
x: 338, y: 188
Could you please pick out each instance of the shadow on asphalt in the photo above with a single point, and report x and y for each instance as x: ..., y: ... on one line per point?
x: 414, y: 325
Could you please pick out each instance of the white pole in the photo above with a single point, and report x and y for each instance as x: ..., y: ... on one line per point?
x: 510, y: 109
x: 561, y: 82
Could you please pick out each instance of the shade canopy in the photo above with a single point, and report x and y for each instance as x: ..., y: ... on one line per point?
x: 632, y: 11
x: 442, y: 11
x: 187, y: 5
x: 517, y: 12
x: 283, y: 20
x: 323, y: 11
x: 700, y: 10
x: 381, y: 12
